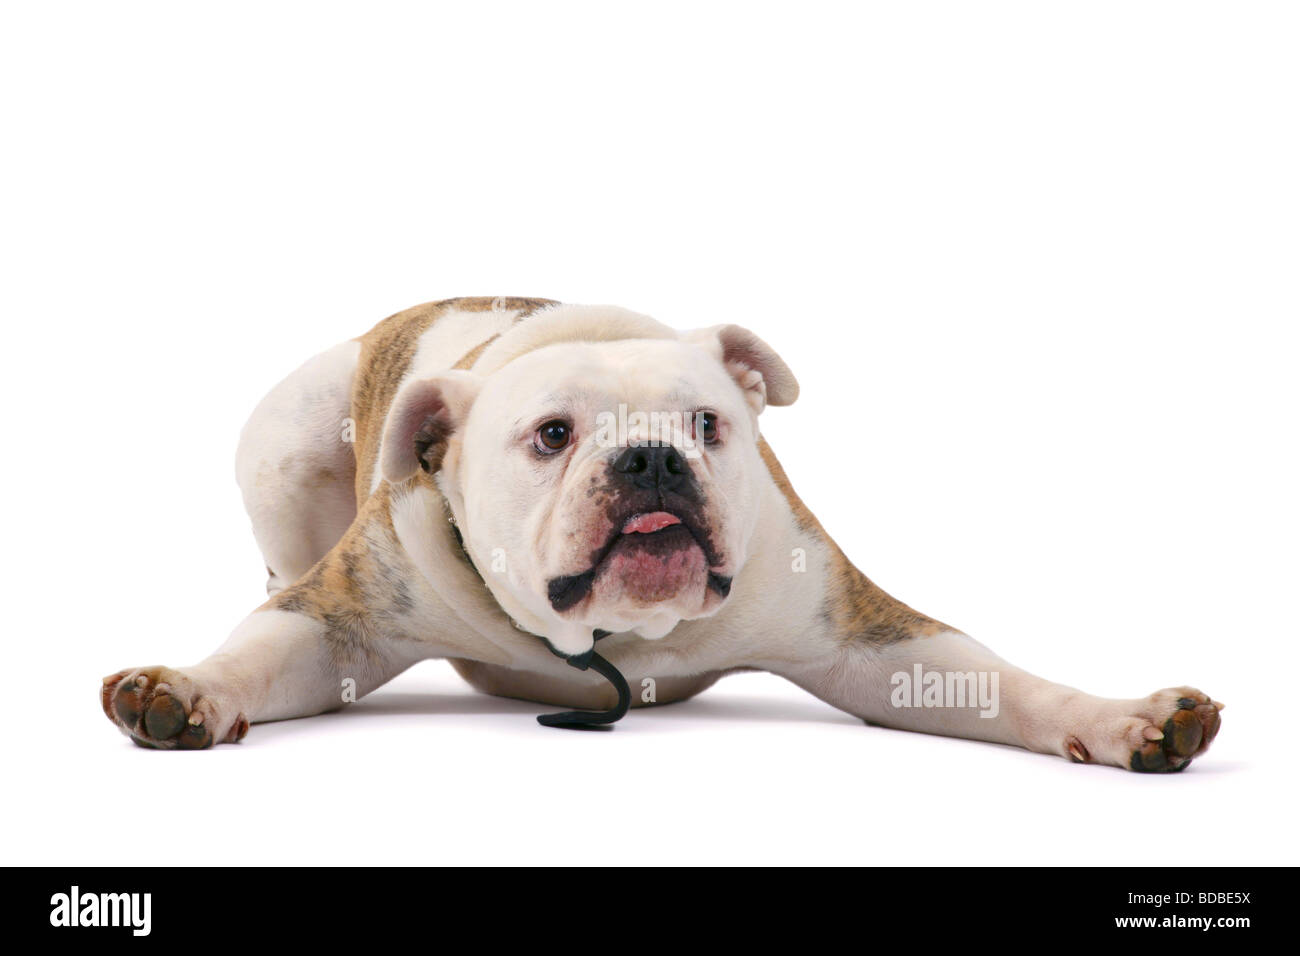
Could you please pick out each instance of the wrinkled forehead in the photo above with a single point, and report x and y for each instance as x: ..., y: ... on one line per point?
x: 644, y: 374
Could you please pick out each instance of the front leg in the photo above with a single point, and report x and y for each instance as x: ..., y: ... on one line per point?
x: 276, y: 665
x: 352, y: 623
x: 940, y: 681
x: 864, y: 652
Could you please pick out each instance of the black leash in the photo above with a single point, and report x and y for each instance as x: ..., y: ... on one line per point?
x: 592, y: 719
x: 589, y: 660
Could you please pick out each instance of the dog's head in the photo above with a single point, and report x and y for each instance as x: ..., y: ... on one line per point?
x: 599, y: 485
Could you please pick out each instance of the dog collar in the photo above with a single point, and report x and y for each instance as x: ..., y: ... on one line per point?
x: 588, y: 660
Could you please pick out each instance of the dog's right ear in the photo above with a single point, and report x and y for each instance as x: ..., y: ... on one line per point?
x: 424, y: 415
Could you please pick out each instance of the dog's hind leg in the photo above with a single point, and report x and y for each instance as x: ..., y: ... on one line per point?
x: 296, y: 468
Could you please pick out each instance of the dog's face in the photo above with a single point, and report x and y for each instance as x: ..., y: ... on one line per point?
x: 609, y: 485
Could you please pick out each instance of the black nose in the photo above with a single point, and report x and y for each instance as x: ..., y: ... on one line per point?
x: 653, y: 466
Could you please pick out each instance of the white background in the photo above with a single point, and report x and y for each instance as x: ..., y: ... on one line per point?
x: 1035, y: 265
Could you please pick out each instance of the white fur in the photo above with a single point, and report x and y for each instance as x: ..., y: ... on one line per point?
x: 292, y: 443
x: 537, y: 512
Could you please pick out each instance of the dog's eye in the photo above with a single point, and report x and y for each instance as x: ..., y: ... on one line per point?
x: 553, y: 436
x: 706, y: 426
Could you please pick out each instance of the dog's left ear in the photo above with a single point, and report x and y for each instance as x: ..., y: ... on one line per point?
x: 424, y: 415
x: 758, y: 370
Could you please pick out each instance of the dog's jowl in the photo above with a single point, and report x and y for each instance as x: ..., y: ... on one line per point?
x: 565, y: 501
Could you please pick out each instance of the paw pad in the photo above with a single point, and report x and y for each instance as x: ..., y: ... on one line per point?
x: 168, y: 713
x: 1185, y: 733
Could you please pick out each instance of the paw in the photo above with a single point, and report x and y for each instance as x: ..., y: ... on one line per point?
x: 1162, y: 733
x: 160, y: 707
x: 1179, y: 726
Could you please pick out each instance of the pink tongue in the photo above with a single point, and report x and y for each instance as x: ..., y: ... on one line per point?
x: 648, y: 524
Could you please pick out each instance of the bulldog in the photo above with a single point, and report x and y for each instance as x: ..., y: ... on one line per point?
x: 568, y: 502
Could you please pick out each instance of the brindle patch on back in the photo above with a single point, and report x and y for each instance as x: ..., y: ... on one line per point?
x: 387, y: 351
x: 469, y: 358
x: 858, y: 610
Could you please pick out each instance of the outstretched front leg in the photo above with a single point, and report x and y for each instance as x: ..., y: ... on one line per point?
x: 942, y: 682
x: 347, y: 627
x: 866, y: 653
x: 277, y: 664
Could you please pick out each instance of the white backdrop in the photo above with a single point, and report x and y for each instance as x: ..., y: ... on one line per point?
x: 1034, y: 264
